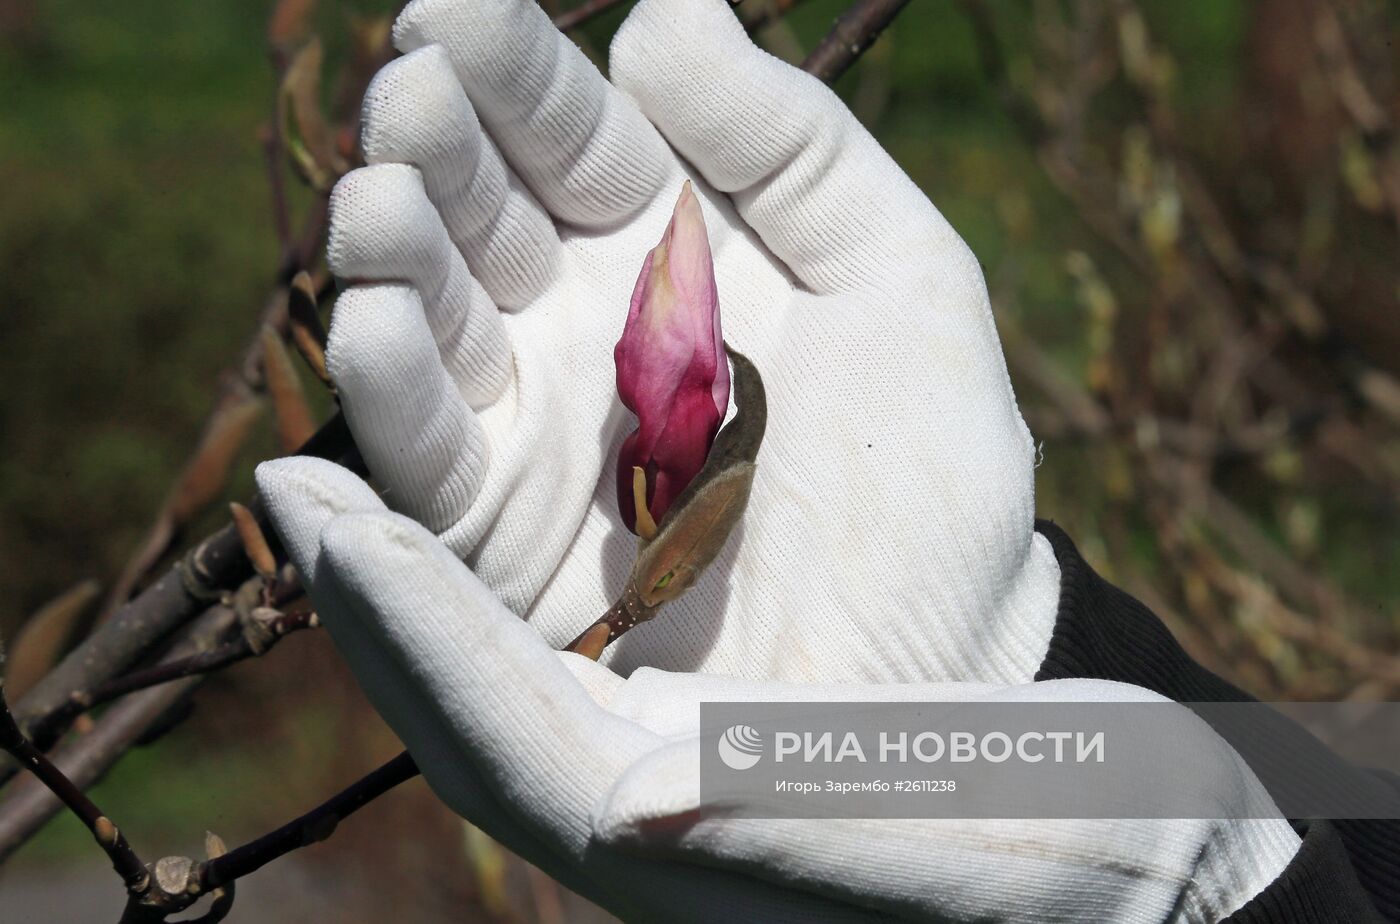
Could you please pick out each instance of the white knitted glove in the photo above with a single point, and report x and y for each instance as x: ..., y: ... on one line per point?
x: 513, y: 195
x: 595, y: 779
x: 492, y: 249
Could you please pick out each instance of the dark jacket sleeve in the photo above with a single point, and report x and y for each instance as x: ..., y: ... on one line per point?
x: 1345, y: 871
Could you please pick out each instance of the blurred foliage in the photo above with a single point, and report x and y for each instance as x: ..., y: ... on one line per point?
x: 1104, y: 168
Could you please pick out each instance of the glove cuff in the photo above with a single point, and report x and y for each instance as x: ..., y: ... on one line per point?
x: 1345, y: 870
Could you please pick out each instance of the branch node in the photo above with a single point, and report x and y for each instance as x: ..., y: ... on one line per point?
x: 174, y: 875
x: 192, y: 577
x: 319, y: 829
x: 260, y: 629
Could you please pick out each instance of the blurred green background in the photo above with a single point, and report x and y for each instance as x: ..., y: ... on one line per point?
x: 1187, y: 220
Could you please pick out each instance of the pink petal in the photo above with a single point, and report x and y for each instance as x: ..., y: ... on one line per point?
x: 671, y: 368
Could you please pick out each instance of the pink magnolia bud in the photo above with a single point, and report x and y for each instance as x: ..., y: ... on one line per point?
x: 671, y: 369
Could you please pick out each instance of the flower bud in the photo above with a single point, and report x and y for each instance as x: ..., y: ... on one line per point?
x: 671, y: 370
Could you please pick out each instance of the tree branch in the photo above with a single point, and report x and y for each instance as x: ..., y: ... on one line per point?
x: 265, y: 628
x: 203, y: 575
x: 316, y: 825
x: 572, y: 19
x: 87, y: 758
x: 760, y: 15
x: 124, y: 860
x: 854, y: 32
x: 135, y: 629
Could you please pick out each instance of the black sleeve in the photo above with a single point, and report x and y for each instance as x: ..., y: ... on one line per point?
x: 1345, y: 871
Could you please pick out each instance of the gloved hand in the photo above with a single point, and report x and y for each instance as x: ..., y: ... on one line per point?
x: 493, y: 245
x: 596, y: 779
x: 888, y: 539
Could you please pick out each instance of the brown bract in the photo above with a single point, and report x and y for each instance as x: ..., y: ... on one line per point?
x: 698, y: 524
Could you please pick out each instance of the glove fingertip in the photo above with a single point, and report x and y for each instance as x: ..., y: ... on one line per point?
x: 303, y: 494
x: 406, y: 108
x: 407, y: 33
x: 655, y: 801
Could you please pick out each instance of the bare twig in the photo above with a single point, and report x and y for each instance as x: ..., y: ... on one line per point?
x: 1256, y: 548
x: 316, y: 825
x: 86, y: 759
x: 572, y: 19
x: 201, y: 577
x: 1077, y: 408
x: 1291, y: 624
x: 1366, y: 111
x: 269, y: 631
x: 137, y: 627
x: 854, y: 32
x: 124, y: 860
x: 176, y: 883
x: 757, y: 15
